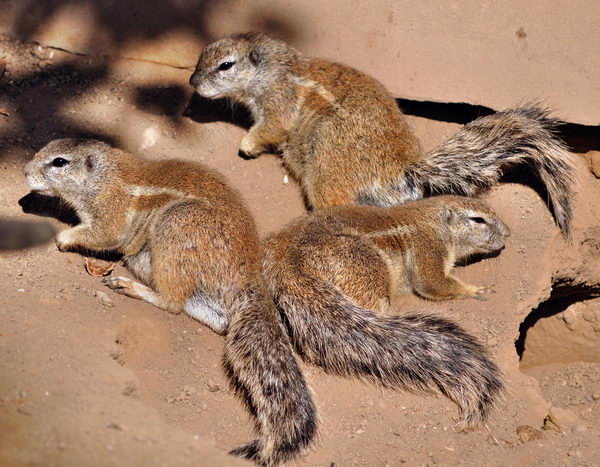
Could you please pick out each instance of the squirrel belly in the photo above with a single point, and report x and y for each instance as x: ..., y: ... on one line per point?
x: 333, y: 276
x: 190, y: 241
x: 344, y: 138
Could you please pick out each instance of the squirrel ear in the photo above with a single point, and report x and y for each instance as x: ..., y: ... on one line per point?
x: 254, y: 57
x: 89, y: 162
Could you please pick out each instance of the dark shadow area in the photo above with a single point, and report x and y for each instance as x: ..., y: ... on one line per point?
x: 39, y: 97
x: 168, y: 101
x: 18, y: 234
x: 579, y: 138
x: 48, y: 206
x: 526, y: 176
x: 563, y: 295
x: 120, y: 21
x: 203, y: 110
x: 444, y: 112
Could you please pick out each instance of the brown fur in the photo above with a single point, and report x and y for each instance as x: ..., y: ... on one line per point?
x: 343, y: 137
x: 330, y: 271
x: 190, y: 240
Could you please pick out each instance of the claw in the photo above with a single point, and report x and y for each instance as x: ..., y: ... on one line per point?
x: 117, y: 283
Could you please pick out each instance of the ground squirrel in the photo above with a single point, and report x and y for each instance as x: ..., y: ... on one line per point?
x: 334, y: 272
x: 188, y: 236
x: 344, y: 138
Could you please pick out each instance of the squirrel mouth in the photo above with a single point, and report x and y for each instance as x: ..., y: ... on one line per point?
x: 496, y: 245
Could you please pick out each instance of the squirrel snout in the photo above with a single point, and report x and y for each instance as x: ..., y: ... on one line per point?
x: 194, y: 80
x: 504, y: 230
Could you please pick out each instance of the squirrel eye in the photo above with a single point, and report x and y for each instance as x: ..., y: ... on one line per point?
x: 225, y: 66
x: 59, y: 162
x: 478, y: 220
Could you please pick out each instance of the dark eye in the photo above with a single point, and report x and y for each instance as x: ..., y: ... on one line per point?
x: 59, y: 162
x: 478, y: 220
x: 225, y: 66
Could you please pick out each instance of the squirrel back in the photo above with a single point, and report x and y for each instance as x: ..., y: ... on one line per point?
x: 334, y: 276
x: 345, y: 139
x: 190, y: 241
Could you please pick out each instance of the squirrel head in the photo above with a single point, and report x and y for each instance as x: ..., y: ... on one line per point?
x: 475, y: 227
x: 67, y: 166
x: 240, y: 65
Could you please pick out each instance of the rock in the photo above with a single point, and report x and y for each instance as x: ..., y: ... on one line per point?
x: 590, y: 315
x: 528, y: 433
x: 149, y: 137
x: 213, y: 387
x: 104, y: 299
x: 596, y: 395
x: 595, y: 164
x: 569, y: 317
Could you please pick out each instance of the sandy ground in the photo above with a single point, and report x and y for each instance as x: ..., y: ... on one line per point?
x: 88, y: 377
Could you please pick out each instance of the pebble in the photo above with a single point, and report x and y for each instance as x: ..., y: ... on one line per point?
x: 569, y: 317
x: 596, y: 395
x: 595, y: 164
x: 104, y: 298
x: 213, y: 387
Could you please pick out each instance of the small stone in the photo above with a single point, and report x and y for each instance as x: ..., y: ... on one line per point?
x: 104, y: 298
x: 569, y: 318
x: 596, y: 395
x: 590, y: 316
x: 595, y: 164
x: 213, y: 387
x: 574, y: 453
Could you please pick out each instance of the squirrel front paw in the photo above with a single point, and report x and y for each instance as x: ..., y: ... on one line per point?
x: 63, y: 241
x: 249, y: 148
x: 477, y: 292
x: 122, y: 285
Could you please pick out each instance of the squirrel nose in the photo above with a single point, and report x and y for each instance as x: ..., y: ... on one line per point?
x: 194, y: 79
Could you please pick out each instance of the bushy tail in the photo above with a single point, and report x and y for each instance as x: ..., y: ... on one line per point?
x: 262, y: 369
x: 477, y: 156
x: 413, y: 352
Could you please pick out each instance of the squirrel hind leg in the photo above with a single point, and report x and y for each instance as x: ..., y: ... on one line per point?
x: 133, y: 289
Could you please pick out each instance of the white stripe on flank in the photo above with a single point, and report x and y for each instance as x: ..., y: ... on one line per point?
x: 310, y: 84
x: 136, y: 190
